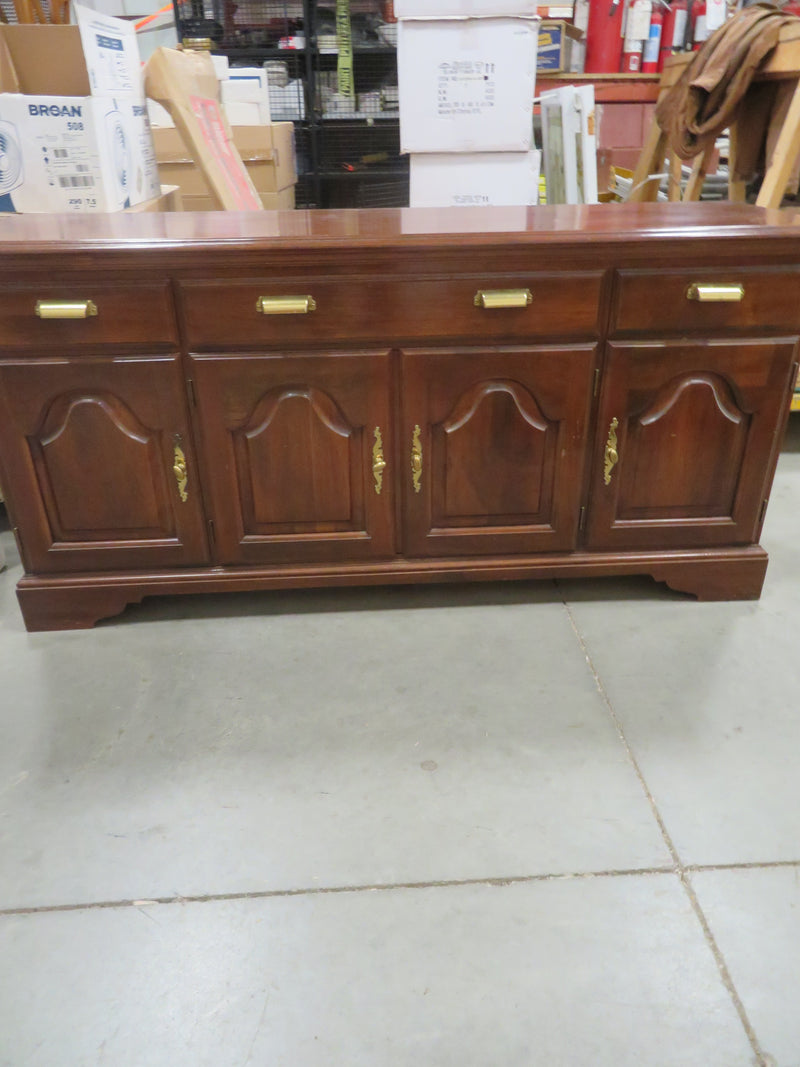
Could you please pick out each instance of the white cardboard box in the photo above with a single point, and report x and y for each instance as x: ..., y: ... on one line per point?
x: 467, y: 85
x: 484, y: 179
x: 569, y: 145
x: 245, y: 93
x: 74, y: 133
x: 424, y: 9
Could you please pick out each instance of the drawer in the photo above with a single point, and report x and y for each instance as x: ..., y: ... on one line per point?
x: 125, y: 314
x: 688, y: 301
x: 222, y: 314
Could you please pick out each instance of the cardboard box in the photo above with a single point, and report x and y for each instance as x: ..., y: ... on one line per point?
x: 267, y: 153
x: 74, y: 132
x: 569, y: 144
x: 169, y: 200
x: 475, y: 179
x: 467, y: 85
x: 187, y: 86
x: 245, y: 96
x: 423, y: 9
x: 281, y: 201
x: 560, y: 47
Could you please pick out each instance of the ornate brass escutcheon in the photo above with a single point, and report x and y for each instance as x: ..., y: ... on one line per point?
x: 416, y: 459
x: 180, y: 472
x: 378, y: 462
x: 611, y: 456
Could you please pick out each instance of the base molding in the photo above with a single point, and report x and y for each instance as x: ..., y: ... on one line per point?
x: 78, y: 601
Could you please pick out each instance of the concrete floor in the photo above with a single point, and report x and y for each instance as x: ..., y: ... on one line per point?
x: 547, y: 824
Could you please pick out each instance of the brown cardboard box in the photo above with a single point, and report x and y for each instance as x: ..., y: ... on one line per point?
x: 267, y: 153
x: 170, y: 200
x: 185, y: 83
x: 282, y: 201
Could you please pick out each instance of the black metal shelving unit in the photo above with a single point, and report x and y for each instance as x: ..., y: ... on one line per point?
x: 348, y: 143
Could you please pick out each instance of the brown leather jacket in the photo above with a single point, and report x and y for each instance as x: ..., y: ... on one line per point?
x: 710, y: 93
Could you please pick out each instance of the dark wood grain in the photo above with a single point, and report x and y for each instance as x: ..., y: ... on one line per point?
x: 135, y: 314
x: 88, y: 450
x: 503, y: 435
x: 275, y: 416
x: 288, y: 450
x: 696, y: 435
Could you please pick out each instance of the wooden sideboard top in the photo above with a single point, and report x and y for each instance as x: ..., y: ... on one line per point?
x: 403, y: 227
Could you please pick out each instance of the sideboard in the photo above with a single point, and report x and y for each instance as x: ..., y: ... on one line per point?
x: 199, y: 403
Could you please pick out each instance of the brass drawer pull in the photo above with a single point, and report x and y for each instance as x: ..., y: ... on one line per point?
x: 707, y: 294
x: 65, y: 309
x: 285, y: 305
x: 378, y: 462
x: 503, y: 298
x: 611, y: 455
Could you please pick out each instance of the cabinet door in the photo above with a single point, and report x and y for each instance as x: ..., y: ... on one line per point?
x: 695, y: 426
x: 90, y: 448
x: 293, y: 447
x: 494, y: 443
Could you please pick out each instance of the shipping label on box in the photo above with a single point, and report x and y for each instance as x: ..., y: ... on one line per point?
x: 467, y: 85
x: 111, y: 54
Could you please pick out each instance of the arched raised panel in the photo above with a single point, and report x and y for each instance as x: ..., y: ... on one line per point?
x: 297, y: 462
x: 682, y: 455
x: 100, y: 470
x: 494, y: 455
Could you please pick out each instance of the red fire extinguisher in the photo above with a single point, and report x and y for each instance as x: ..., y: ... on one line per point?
x: 604, y: 37
x: 699, y: 26
x: 673, y: 35
x: 636, y: 33
x: 652, y: 47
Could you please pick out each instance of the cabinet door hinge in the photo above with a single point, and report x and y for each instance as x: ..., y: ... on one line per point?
x: 192, y: 394
x: 211, y: 532
x: 596, y: 380
x: 582, y: 520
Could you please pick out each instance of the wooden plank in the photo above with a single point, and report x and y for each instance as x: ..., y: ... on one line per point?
x: 651, y: 161
x: 699, y: 169
x: 780, y: 165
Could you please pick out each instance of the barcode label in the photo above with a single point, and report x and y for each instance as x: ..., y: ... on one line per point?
x: 60, y: 153
x: 75, y: 181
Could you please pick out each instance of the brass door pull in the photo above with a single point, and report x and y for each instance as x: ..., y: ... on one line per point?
x: 180, y: 472
x: 65, y: 309
x: 416, y: 459
x: 715, y: 294
x: 378, y: 462
x: 285, y: 305
x: 611, y: 454
x: 492, y: 299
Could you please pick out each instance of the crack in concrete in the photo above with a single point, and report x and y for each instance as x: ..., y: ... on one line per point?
x: 679, y: 868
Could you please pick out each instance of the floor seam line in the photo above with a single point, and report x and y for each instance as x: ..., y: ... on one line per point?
x: 265, y: 894
x: 679, y: 868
